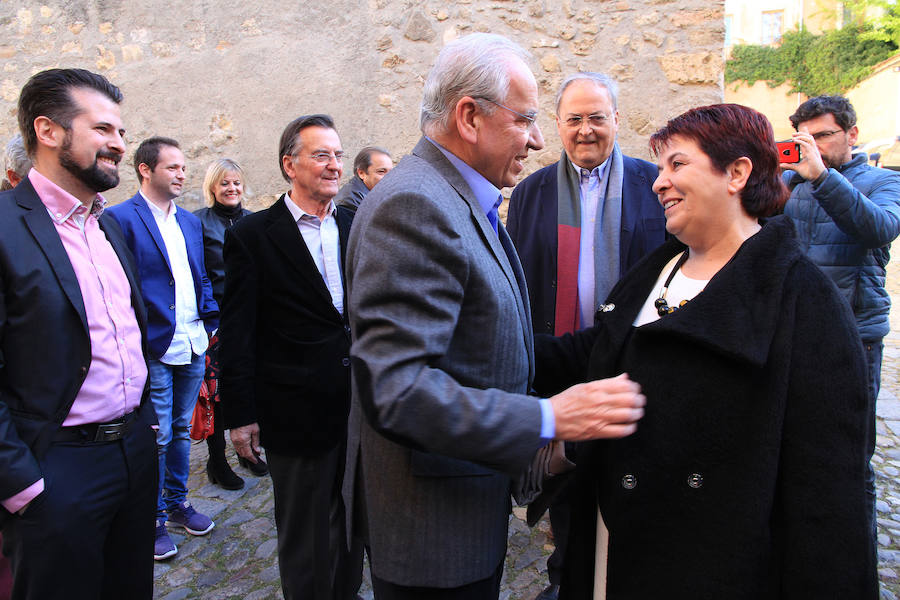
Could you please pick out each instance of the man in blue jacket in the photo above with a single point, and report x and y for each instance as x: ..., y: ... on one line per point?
x: 167, y: 244
x: 846, y: 213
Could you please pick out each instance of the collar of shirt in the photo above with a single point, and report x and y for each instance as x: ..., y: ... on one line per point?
x: 486, y: 194
x: 584, y: 176
x: 298, y: 213
x: 157, y: 211
x: 59, y: 203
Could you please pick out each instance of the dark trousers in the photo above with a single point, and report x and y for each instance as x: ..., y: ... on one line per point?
x: 560, y: 517
x: 874, y: 352
x: 309, y: 516
x: 90, y: 534
x: 485, y: 589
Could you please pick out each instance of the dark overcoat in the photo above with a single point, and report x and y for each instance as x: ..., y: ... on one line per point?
x: 745, y: 478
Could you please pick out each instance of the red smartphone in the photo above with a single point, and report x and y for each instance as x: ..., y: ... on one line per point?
x: 788, y: 152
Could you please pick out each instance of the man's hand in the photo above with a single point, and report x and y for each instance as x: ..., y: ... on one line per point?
x: 811, y: 166
x: 605, y: 408
x: 246, y: 441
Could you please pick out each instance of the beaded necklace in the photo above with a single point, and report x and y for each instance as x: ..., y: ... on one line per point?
x: 662, y: 307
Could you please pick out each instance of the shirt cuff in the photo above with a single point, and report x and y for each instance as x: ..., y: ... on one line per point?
x: 548, y: 421
x: 15, y: 503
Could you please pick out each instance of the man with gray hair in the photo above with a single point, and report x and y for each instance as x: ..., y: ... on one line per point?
x: 578, y: 225
x: 370, y: 165
x: 16, y: 163
x: 442, y: 358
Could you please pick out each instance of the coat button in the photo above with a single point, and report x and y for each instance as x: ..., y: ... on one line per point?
x: 171, y: 307
x: 629, y: 481
x: 171, y: 283
x: 345, y: 362
x: 695, y: 480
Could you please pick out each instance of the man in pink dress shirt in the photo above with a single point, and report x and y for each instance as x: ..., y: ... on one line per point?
x: 77, y: 452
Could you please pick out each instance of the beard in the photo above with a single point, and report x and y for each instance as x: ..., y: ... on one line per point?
x: 93, y: 176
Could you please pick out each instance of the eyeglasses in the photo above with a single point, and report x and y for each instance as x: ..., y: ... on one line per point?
x: 596, y: 121
x: 530, y: 118
x: 323, y: 158
x: 825, y: 134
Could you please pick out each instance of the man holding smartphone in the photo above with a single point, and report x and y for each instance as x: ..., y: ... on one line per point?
x: 846, y: 213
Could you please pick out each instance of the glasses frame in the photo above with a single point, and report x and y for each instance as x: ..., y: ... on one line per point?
x: 531, y: 119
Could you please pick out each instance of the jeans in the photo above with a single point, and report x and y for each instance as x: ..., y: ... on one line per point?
x: 173, y: 392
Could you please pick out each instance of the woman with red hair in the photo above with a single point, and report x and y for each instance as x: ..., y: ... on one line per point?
x: 745, y: 478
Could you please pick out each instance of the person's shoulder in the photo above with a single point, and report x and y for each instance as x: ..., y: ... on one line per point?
x: 122, y: 208
x: 644, y: 167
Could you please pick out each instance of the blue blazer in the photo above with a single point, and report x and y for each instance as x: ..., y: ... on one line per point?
x: 157, y: 282
x: 532, y: 220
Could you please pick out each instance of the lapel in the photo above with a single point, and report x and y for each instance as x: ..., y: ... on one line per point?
x: 41, y: 226
x: 143, y: 211
x: 344, y: 218
x: 110, y: 230
x: 286, y: 237
x: 631, y: 208
x: 505, y: 256
x: 737, y: 313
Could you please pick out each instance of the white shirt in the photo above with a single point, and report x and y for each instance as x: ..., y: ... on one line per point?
x: 190, y: 336
x: 681, y: 288
x: 321, y: 237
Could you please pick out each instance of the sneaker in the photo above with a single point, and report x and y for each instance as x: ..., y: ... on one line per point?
x: 193, y: 522
x: 163, y: 547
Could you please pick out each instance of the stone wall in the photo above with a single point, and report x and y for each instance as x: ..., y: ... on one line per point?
x: 224, y: 78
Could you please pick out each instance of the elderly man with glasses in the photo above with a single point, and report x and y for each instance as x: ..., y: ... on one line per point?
x: 285, y: 358
x: 846, y: 213
x: 578, y: 225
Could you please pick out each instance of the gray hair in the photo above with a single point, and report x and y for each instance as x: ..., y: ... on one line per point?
x: 601, y: 79
x: 476, y: 66
x: 15, y: 158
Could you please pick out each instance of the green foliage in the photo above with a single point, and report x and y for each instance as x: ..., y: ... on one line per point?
x: 885, y: 26
x: 830, y: 63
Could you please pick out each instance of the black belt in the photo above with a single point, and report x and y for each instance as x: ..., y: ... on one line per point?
x: 96, y: 432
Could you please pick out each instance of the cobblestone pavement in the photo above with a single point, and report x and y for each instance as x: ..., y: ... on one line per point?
x: 237, y: 560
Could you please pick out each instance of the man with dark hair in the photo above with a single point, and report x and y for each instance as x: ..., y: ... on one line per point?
x: 77, y: 456
x: 167, y: 244
x: 578, y: 225
x: 846, y: 213
x: 370, y: 165
x: 285, y: 358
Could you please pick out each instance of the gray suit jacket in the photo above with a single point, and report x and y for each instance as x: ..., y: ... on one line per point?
x: 442, y: 360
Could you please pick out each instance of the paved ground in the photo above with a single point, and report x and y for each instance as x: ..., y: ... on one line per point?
x: 238, y: 559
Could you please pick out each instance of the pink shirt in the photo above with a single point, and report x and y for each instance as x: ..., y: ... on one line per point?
x: 118, y: 371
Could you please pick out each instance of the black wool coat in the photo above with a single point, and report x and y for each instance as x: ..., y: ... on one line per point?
x: 745, y: 478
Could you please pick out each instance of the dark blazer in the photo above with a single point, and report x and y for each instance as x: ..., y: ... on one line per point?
x: 532, y: 222
x: 45, y: 349
x: 157, y: 284
x: 745, y: 478
x: 442, y: 360
x: 284, y: 349
x: 214, y: 226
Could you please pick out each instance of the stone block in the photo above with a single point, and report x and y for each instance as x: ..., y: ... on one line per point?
x: 695, y: 67
x: 418, y: 28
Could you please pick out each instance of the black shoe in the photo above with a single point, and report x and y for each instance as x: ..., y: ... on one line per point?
x: 223, y: 476
x: 551, y: 592
x: 259, y: 468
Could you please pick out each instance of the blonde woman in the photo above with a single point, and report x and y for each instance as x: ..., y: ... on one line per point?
x: 223, y: 190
